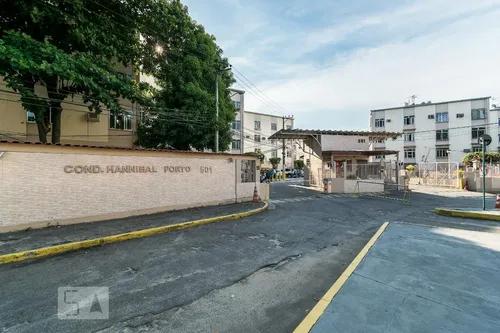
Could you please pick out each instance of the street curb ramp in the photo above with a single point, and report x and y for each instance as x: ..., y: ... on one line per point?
x: 468, y: 214
x: 88, y: 243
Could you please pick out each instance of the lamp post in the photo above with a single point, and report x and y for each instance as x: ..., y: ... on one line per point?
x: 217, y: 106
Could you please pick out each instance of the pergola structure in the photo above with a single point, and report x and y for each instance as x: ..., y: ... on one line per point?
x: 333, y: 150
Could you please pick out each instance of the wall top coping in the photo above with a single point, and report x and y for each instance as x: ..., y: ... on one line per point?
x: 35, y: 147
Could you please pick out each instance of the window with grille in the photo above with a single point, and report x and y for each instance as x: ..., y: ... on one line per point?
x: 248, y: 171
x: 441, y: 117
x: 442, y: 152
x: 409, y: 120
x: 477, y: 132
x: 257, y: 125
x: 409, y: 152
x: 236, y: 144
x: 409, y: 137
x: 442, y: 135
x: 478, y: 114
x: 380, y: 122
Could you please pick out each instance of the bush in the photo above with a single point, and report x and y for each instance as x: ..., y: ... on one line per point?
x: 298, y: 164
x: 490, y: 157
x: 275, y: 161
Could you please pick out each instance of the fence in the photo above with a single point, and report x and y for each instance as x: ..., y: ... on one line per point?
x: 444, y: 174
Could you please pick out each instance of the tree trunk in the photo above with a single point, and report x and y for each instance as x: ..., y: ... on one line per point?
x: 56, y: 121
x: 56, y: 97
x: 42, y: 128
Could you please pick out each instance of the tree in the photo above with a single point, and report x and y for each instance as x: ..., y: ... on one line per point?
x: 298, y: 164
x: 258, y: 153
x: 275, y: 161
x: 70, y: 47
x: 186, y: 72
x: 490, y: 157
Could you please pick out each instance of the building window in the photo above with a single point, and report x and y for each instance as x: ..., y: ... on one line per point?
x: 442, y: 152
x: 361, y: 140
x: 288, y: 153
x: 477, y: 149
x: 431, y: 116
x: 409, y: 120
x: 442, y: 135
x: 248, y: 171
x: 409, y: 137
x: 441, y: 117
x: 274, y: 126
x: 477, y: 132
x: 379, y: 122
x: 460, y: 115
x: 274, y: 154
x: 237, y: 105
x: 409, y: 153
x: 478, y: 114
x: 256, y: 138
x: 30, y: 117
x: 120, y: 120
x: 236, y: 125
x: 256, y: 125
x: 236, y: 145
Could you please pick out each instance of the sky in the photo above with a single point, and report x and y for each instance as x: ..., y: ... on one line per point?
x: 329, y: 62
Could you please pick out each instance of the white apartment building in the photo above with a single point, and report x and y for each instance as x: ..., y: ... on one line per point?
x: 238, y: 142
x: 251, y: 132
x: 258, y: 127
x: 437, y: 132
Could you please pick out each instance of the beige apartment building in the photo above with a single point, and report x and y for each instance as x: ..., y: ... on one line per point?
x: 78, y: 124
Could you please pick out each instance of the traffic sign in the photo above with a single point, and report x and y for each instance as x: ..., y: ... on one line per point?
x: 486, y: 138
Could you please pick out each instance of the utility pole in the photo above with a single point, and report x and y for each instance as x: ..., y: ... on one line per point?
x: 217, y: 112
x: 484, y: 172
x: 283, y: 150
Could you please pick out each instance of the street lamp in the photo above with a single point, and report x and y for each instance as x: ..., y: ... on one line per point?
x: 217, y: 106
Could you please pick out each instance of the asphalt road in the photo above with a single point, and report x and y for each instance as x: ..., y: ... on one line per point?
x: 259, y: 274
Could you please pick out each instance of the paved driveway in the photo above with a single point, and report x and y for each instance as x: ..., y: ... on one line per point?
x: 259, y: 274
x: 421, y: 279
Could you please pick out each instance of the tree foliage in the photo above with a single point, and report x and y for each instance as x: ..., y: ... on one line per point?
x: 490, y: 157
x: 68, y: 47
x: 298, y: 164
x: 186, y: 73
x: 93, y: 48
x: 275, y: 161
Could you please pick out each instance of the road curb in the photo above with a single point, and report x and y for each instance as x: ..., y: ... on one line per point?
x: 85, y: 244
x: 467, y: 214
x: 320, y: 307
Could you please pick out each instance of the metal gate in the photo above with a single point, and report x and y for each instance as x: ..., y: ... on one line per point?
x: 435, y: 174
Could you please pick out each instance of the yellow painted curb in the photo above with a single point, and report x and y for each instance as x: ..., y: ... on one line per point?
x: 467, y: 214
x: 85, y: 244
x: 316, y: 312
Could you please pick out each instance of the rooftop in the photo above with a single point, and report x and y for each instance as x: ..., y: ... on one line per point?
x: 305, y: 133
x: 414, y: 105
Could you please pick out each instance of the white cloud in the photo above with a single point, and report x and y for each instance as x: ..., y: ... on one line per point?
x: 460, y: 60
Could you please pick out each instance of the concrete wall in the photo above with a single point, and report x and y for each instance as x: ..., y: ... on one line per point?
x: 44, y: 185
x: 475, y: 182
x: 345, y: 142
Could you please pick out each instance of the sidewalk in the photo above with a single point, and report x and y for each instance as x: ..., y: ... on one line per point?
x: 37, y: 238
x: 471, y: 213
x: 418, y: 279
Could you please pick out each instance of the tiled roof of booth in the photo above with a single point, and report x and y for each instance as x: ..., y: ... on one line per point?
x: 304, y: 133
